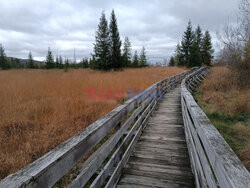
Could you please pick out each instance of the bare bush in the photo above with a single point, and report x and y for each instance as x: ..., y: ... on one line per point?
x: 236, y: 41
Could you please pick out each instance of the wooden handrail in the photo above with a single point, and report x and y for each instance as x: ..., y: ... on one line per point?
x: 118, y: 127
x: 213, y: 162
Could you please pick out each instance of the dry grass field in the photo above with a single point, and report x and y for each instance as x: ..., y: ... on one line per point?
x: 39, y: 109
x: 228, y: 107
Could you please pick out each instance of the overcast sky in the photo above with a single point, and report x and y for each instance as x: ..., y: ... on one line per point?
x: 27, y: 25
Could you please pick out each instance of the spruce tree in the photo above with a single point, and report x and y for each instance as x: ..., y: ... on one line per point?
x: 199, y: 36
x: 126, y: 53
x: 85, y: 63
x: 195, y: 55
x: 143, y: 58
x: 60, y: 62
x: 49, y: 60
x: 171, y: 62
x: 30, y: 62
x: 66, y: 64
x: 115, y: 48
x: 102, y: 54
x: 186, y: 44
x: 3, y: 59
x: 195, y: 51
x: 57, y: 62
x: 206, y: 49
x: 179, y: 56
x: 135, y: 60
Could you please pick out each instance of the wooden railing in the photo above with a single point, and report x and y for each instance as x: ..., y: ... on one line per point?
x: 213, y: 162
x: 110, y: 140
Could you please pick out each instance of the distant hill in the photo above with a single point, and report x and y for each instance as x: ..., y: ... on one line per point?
x: 24, y: 61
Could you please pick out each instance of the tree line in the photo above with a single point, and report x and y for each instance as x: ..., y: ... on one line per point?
x: 195, y: 49
x: 30, y: 63
x: 108, y: 53
x: 107, y: 48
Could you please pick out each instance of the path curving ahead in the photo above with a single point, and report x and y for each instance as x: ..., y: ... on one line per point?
x: 160, y: 157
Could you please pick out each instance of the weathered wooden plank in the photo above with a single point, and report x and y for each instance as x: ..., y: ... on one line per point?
x: 147, y: 181
x: 165, y: 126
x: 162, y: 138
x: 165, y: 161
x: 131, y: 185
x: 167, y: 146
x: 170, y: 160
x: 183, y: 169
x: 166, y: 132
x: 161, y: 151
x: 167, y: 174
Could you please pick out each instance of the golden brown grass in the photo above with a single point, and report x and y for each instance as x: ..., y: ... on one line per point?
x: 228, y: 107
x: 222, y: 89
x: 39, y: 109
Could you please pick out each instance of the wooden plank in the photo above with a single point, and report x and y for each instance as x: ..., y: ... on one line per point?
x: 164, y: 132
x: 131, y: 185
x: 171, y: 175
x: 165, y: 128
x: 170, y: 146
x: 162, y: 138
x: 169, y: 160
x: 153, y: 182
x: 162, y: 148
x: 183, y: 169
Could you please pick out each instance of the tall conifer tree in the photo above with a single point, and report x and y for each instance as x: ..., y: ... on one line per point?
x: 30, y: 62
x: 49, y: 60
x: 186, y: 44
x: 179, y: 56
x: 143, y: 58
x: 171, y: 62
x: 101, y: 57
x: 115, y: 42
x: 3, y: 59
x: 207, y: 49
x: 135, y: 60
x: 195, y: 51
x: 126, y: 52
x: 60, y: 62
x: 57, y: 62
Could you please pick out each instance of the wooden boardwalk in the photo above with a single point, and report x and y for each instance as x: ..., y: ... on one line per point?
x: 160, y: 157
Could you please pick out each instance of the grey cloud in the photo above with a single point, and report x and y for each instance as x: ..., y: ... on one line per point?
x: 27, y: 25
